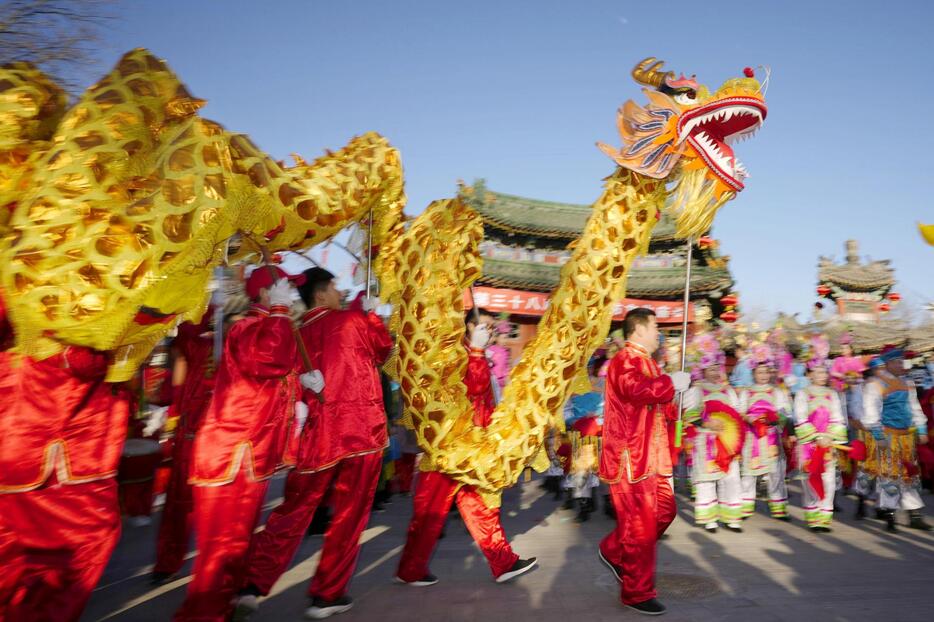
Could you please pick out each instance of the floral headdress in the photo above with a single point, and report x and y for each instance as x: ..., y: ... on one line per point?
x: 704, y: 351
x: 818, y: 348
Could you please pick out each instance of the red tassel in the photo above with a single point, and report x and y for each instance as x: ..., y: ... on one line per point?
x: 816, y: 471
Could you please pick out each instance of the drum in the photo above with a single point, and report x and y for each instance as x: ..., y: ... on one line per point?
x: 140, y: 458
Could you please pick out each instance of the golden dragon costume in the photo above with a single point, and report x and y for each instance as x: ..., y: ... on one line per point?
x: 676, y: 156
x: 114, y: 212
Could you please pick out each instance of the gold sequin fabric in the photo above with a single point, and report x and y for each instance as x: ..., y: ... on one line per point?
x: 437, y: 259
x: 120, y: 207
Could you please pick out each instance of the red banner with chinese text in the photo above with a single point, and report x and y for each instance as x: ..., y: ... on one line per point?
x: 534, y: 303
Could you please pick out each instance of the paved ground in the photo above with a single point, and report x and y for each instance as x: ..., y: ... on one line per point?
x: 772, y: 571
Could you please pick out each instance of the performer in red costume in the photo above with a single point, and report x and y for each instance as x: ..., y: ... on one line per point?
x: 435, y: 492
x: 193, y: 378
x: 341, y: 447
x: 242, y: 442
x: 479, y: 377
x: 636, y: 460
x: 63, y: 431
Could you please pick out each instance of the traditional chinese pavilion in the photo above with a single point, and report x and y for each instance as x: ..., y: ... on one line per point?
x: 526, y: 244
x: 862, y: 293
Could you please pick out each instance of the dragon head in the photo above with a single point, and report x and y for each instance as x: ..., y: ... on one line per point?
x: 685, y: 136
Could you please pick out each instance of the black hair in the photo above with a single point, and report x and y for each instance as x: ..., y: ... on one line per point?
x: 637, y: 317
x: 316, y: 280
x: 470, y: 317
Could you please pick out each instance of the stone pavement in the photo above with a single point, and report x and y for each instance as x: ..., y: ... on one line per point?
x: 772, y: 571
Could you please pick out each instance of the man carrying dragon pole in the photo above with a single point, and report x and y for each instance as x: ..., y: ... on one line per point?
x: 677, y: 157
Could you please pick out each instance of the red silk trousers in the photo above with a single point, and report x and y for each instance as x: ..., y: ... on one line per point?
x: 175, y: 527
x: 434, y: 494
x: 643, y: 512
x: 354, y: 484
x: 405, y: 473
x: 55, y: 542
x: 224, y: 519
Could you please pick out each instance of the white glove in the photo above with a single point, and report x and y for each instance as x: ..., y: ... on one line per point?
x: 156, y: 420
x: 790, y: 380
x: 301, y: 414
x: 280, y: 294
x: 480, y: 336
x: 369, y: 303
x: 681, y: 380
x: 313, y: 380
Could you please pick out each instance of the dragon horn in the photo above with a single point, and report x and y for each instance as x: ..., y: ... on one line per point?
x: 649, y: 72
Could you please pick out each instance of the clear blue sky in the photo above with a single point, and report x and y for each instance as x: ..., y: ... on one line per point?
x: 518, y: 93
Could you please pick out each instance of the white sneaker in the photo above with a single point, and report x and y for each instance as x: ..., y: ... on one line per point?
x: 711, y: 527
x: 244, y: 607
x: 321, y: 609
x: 428, y: 579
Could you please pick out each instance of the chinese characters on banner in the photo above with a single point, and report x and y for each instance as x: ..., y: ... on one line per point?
x: 534, y: 303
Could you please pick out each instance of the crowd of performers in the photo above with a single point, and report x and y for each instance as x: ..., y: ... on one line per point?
x: 849, y: 424
x: 309, y: 396
x: 305, y: 396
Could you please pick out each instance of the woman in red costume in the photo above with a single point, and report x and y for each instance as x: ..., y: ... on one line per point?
x: 242, y: 443
x: 193, y: 378
x: 63, y: 431
x: 636, y: 460
x: 435, y: 492
x: 341, y: 447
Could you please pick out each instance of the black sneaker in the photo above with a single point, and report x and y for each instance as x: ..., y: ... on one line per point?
x: 889, y: 518
x: 616, y: 570
x: 521, y: 566
x: 321, y: 609
x: 650, y: 607
x: 428, y: 579
x: 161, y: 578
x: 860, y: 509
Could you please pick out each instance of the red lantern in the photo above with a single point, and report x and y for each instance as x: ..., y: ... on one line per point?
x: 884, y: 307
x: 730, y: 300
x: 729, y: 316
x: 705, y: 242
x: 823, y: 290
x: 894, y: 297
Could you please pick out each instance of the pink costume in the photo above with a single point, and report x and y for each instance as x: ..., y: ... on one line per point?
x: 499, y: 363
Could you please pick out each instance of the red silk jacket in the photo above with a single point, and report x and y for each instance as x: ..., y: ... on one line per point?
x: 635, y: 434
x: 248, y: 421
x: 479, y: 387
x: 347, y: 346
x: 59, y: 416
x: 192, y: 398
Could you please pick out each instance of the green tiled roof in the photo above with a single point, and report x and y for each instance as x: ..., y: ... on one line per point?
x: 643, y: 282
x: 545, y: 219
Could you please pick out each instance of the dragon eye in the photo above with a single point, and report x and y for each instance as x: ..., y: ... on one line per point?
x: 686, y: 97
